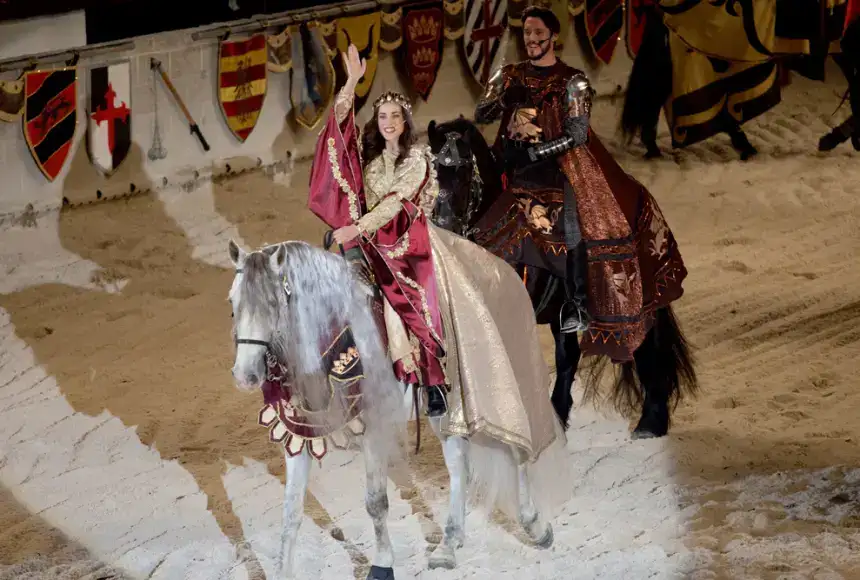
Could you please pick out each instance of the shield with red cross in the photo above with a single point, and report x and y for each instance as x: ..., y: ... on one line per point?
x: 109, y: 125
x: 485, y: 37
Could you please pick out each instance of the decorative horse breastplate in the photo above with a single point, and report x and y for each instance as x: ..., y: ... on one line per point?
x: 296, y: 426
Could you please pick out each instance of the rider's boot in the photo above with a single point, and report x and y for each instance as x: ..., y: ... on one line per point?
x: 437, y: 402
x: 574, y: 312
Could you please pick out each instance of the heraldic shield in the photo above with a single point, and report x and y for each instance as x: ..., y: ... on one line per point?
x: 485, y: 37
x: 109, y: 125
x: 603, y: 22
x: 242, y: 83
x: 50, y: 117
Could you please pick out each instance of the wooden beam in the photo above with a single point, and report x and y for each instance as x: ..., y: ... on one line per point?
x: 20, y: 62
x: 260, y: 23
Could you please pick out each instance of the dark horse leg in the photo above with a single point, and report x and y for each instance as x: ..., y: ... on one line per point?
x: 664, y: 368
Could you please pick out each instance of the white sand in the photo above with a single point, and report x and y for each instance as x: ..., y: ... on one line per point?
x: 125, y: 446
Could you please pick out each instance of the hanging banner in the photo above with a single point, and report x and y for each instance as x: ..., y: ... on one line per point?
x: 423, y: 50
x: 109, y: 123
x: 603, y: 21
x: 454, y: 24
x: 312, y: 77
x: 242, y: 83
x: 363, y: 32
x: 280, y: 51
x: 485, y: 37
x: 50, y: 117
x: 391, y: 36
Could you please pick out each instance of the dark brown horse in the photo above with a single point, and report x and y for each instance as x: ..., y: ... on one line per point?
x: 662, y: 370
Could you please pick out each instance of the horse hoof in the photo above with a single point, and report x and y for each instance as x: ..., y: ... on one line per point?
x: 653, y: 423
x: 545, y: 542
x: 380, y: 573
x: 442, y: 557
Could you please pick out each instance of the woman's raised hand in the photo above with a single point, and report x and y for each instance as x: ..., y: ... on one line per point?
x: 355, y: 66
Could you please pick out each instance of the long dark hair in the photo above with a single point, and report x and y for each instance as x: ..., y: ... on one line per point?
x: 373, y: 143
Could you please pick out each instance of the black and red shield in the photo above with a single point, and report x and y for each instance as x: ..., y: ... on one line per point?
x: 50, y: 117
x: 603, y: 21
x: 637, y: 13
x: 109, y: 126
x: 423, y: 29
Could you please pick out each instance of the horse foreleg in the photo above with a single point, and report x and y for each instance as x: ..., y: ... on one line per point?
x: 376, y: 502
x: 454, y: 450
x: 298, y: 472
x: 538, y: 530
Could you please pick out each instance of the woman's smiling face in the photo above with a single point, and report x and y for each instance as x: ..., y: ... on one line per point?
x: 391, y: 121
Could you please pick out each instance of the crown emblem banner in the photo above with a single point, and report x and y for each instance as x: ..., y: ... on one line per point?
x: 423, y: 28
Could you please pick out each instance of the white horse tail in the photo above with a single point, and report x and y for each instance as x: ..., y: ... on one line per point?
x: 497, y: 471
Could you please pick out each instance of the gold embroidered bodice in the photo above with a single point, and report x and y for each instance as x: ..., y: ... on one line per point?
x: 386, y: 184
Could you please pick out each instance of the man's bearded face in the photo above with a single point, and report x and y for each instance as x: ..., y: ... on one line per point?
x: 537, y: 37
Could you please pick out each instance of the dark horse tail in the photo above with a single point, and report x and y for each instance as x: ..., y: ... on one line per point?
x: 663, y: 369
x: 650, y: 82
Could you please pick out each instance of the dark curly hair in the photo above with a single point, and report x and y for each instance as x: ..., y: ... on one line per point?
x: 373, y: 143
x: 546, y: 15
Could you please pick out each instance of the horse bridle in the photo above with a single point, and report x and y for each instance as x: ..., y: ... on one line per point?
x: 288, y: 290
x: 449, y: 154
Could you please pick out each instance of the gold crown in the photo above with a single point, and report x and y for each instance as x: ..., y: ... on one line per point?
x: 423, y: 27
x: 392, y: 97
x: 424, y: 57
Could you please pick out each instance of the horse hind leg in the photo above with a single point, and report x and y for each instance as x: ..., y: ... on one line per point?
x: 298, y: 472
x: 454, y: 450
x: 376, y: 502
x: 663, y: 366
x: 538, y: 530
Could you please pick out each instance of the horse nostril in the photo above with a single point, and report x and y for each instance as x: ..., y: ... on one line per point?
x: 253, y: 380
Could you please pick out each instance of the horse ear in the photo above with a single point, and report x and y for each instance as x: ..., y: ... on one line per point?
x: 237, y: 254
x: 278, y: 258
x: 431, y: 127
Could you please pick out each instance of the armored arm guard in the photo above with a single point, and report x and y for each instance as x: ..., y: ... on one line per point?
x: 579, y: 98
x: 490, y: 107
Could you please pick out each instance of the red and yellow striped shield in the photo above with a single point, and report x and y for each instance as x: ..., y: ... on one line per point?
x: 242, y: 83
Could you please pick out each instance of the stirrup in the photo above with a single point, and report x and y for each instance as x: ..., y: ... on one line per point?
x: 444, y: 402
x: 577, y: 321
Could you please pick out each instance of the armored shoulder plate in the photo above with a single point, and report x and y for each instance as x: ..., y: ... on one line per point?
x: 580, y: 95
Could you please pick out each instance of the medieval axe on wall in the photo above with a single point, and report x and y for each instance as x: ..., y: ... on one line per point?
x: 195, y: 129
